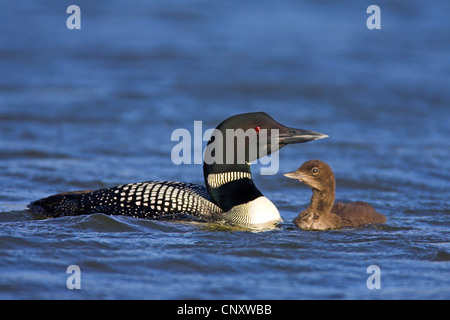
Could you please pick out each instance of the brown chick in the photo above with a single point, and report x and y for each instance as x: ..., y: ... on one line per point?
x: 322, y: 213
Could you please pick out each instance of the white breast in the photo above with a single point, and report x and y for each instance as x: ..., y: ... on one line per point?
x: 260, y: 212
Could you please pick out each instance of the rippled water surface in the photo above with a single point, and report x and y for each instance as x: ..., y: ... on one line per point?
x: 96, y: 107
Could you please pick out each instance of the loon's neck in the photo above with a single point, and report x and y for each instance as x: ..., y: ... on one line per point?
x: 230, y: 185
x: 233, y: 190
x: 322, y: 201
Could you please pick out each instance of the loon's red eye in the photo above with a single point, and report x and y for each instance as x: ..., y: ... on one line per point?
x: 257, y: 128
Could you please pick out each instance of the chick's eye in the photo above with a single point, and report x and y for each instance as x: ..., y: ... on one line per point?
x: 315, y: 171
x: 257, y: 128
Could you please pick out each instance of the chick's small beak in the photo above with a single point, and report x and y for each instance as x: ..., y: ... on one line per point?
x: 293, y: 175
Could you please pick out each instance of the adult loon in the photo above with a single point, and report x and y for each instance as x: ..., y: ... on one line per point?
x: 230, y: 195
x: 322, y: 213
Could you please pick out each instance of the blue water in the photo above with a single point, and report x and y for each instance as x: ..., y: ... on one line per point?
x: 89, y: 108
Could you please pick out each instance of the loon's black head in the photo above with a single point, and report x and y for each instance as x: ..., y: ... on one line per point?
x: 238, y: 141
x: 246, y: 137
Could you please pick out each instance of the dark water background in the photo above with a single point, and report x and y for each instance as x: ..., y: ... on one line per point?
x: 89, y: 108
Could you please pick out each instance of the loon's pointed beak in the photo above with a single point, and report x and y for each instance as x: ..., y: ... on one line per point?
x: 299, y: 136
x: 293, y: 175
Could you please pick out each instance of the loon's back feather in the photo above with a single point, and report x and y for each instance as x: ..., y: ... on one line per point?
x: 148, y: 200
x: 61, y: 204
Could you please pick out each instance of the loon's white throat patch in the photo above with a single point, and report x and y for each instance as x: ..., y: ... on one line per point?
x: 216, y: 180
